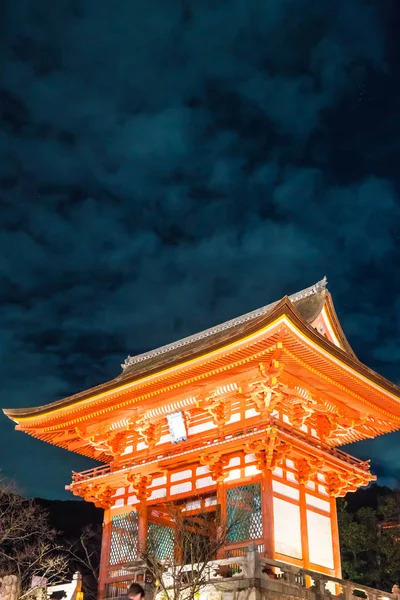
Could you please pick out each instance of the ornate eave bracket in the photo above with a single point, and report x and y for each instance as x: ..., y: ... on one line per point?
x: 100, y: 495
x: 270, y: 451
x: 216, y: 464
x: 149, y: 430
x: 140, y: 485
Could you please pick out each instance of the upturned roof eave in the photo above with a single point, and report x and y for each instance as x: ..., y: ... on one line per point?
x: 129, y: 374
x: 283, y: 307
x: 332, y: 315
x: 119, y: 382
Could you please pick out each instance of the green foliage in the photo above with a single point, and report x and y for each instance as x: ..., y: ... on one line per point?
x: 370, y: 550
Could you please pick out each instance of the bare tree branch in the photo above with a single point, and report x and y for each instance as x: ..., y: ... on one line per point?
x: 28, y: 545
x: 195, y: 541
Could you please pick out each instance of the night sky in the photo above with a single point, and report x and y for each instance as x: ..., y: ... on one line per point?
x: 167, y: 165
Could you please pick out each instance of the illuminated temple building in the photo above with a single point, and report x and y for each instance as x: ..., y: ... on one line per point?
x: 256, y: 409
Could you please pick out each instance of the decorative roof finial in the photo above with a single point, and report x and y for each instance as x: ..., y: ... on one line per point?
x: 321, y: 285
x: 126, y: 362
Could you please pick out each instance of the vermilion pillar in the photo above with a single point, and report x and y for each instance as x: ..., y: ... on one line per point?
x: 335, y: 540
x: 221, y: 501
x: 142, y: 525
x: 267, y: 513
x: 105, y: 553
x: 303, y: 526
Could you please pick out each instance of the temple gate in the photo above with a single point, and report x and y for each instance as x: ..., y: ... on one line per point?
x: 248, y: 416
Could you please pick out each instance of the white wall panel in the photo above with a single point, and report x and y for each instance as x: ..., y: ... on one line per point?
x: 318, y: 503
x: 287, y: 528
x: 181, y: 488
x: 181, y: 475
x: 320, y: 539
x: 285, y: 490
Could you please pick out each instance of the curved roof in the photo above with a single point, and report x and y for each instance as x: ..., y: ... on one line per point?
x: 308, y: 304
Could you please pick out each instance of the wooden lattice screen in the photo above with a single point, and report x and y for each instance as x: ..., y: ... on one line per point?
x: 244, y: 515
x: 160, y: 541
x: 124, y: 539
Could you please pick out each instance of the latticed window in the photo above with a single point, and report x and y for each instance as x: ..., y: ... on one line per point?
x: 160, y: 541
x: 243, y: 510
x: 124, y: 538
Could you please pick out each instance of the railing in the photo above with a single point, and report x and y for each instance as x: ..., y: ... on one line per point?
x: 103, y: 470
x: 170, y: 453
x: 90, y: 473
x: 318, y: 584
x: 274, y: 577
x: 315, y: 442
x: 352, y: 460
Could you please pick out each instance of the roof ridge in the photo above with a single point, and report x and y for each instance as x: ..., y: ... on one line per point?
x: 132, y: 360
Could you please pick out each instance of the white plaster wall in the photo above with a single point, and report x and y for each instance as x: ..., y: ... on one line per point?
x: 287, y: 528
x: 320, y: 543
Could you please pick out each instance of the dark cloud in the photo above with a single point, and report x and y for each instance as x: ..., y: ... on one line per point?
x: 168, y: 165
